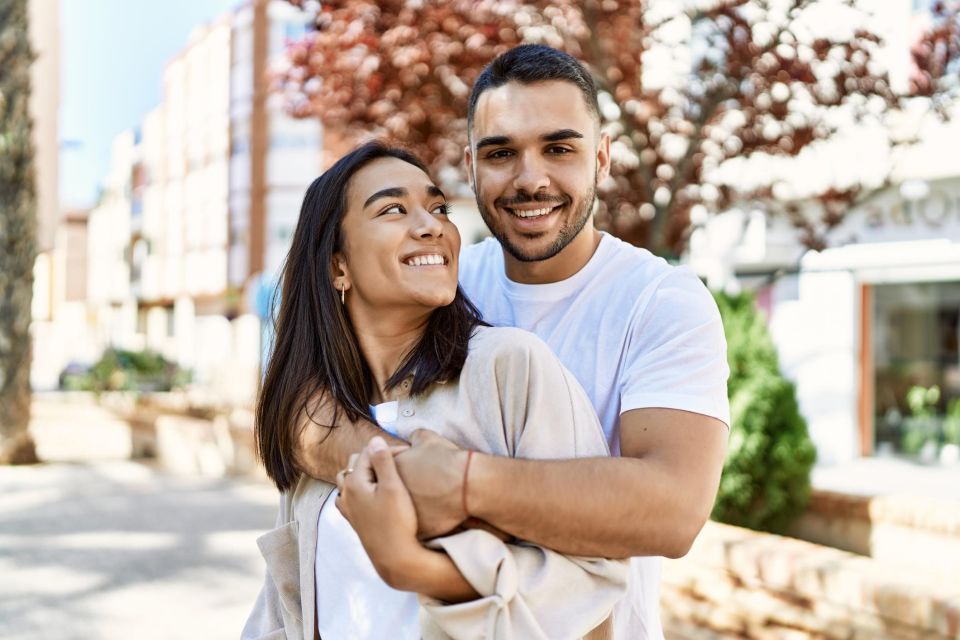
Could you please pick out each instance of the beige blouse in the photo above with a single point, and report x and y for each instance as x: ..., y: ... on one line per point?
x: 515, y: 399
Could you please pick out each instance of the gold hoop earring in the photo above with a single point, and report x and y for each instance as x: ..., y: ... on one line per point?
x: 343, y: 293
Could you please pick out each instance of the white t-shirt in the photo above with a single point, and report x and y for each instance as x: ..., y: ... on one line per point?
x: 353, y: 601
x: 637, y: 333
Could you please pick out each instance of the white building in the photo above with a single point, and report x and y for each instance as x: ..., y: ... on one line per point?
x: 878, y: 312
x: 198, y: 203
x: 49, y: 282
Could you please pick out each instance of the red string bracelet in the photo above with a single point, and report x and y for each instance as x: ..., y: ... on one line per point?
x: 466, y: 470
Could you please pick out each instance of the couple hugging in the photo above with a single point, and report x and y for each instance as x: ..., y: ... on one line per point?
x: 507, y: 457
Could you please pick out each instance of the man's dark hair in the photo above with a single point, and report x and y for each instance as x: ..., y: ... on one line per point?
x: 315, y: 350
x: 529, y: 63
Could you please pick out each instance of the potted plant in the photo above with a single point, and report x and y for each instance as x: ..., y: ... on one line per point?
x: 950, y: 451
x: 921, y: 429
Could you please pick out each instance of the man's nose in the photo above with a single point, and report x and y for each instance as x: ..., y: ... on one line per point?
x: 531, y: 173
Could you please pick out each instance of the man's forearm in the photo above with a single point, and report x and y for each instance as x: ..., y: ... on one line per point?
x: 605, y: 507
x: 326, y: 451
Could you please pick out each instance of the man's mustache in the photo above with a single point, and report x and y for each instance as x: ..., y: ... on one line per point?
x: 526, y: 198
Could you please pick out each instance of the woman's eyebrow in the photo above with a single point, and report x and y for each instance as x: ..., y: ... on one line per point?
x: 391, y: 192
x: 434, y: 190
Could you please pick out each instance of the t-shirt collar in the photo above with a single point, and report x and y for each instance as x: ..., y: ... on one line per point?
x: 562, y: 288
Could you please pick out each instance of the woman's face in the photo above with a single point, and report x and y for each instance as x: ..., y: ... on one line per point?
x: 399, y: 247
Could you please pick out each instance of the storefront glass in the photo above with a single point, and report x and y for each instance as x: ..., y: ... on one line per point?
x: 917, y: 365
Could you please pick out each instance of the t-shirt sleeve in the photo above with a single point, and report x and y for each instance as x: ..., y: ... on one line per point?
x: 676, y: 355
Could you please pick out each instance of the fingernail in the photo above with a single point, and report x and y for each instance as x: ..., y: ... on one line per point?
x: 377, y: 444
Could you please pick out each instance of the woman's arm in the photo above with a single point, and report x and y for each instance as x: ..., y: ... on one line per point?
x: 492, y: 589
x: 378, y: 507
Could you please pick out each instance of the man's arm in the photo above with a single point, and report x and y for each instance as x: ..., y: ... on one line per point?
x: 651, y: 501
x: 323, y: 451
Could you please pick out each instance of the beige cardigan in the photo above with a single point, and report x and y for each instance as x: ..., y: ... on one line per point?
x: 513, y: 398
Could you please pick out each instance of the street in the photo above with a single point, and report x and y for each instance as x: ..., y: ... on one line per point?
x: 107, y: 548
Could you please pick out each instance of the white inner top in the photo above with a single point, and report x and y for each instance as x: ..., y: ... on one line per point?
x: 353, y: 602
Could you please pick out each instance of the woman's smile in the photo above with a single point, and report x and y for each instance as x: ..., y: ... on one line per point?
x: 426, y: 260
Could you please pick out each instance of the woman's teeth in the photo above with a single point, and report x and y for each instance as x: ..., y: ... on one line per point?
x: 532, y: 213
x: 419, y: 261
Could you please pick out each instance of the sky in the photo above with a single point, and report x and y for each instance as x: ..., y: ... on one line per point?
x: 112, y: 57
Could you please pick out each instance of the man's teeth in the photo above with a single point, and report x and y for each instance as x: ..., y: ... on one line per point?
x: 532, y: 213
x: 419, y: 261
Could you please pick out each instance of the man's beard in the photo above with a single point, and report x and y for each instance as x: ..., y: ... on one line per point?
x: 564, y: 237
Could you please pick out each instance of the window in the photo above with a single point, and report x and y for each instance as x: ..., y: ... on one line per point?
x: 917, y: 366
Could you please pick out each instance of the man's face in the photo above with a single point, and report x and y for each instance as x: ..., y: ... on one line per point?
x: 534, y: 162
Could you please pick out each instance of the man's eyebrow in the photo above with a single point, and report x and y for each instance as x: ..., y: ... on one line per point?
x: 561, y: 134
x: 392, y: 192
x: 553, y: 136
x: 492, y: 141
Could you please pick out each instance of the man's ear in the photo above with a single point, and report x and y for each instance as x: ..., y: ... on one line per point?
x: 603, y: 157
x: 468, y: 164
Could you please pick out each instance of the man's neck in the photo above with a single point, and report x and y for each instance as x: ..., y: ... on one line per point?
x: 565, y: 264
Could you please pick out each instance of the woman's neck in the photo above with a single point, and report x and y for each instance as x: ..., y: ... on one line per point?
x: 385, y: 339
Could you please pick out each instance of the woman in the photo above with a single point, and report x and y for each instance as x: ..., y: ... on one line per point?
x: 371, y: 317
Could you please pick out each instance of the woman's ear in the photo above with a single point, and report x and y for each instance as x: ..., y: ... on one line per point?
x: 339, y: 273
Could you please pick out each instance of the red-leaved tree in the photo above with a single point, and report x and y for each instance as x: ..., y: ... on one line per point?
x: 683, y: 90
x: 936, y: 58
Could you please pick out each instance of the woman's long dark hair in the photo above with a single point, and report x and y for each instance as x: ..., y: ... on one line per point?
x: 315, y: 349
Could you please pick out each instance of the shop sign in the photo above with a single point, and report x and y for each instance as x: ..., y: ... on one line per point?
x: 939, y: 209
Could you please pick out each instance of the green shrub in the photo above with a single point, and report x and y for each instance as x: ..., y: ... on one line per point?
x: 121, y: 370
x: 766, y: 477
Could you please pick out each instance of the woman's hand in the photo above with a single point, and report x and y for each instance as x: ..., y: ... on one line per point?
x: 379, y: 508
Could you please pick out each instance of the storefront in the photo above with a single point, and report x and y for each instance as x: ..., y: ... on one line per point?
x: 869, y: 328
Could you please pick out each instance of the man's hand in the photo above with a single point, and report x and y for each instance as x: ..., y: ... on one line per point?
x: 322, y: 450
x: 432, y: 470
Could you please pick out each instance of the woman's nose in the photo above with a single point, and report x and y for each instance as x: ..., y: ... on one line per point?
x: 426, y: 225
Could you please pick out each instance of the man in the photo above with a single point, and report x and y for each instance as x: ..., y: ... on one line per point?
x: 643, y: 338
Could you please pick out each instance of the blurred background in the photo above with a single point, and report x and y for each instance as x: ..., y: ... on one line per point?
x: 800, y: 156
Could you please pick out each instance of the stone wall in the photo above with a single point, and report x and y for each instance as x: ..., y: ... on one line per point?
x: 924, y: 532
x: 737, y: 583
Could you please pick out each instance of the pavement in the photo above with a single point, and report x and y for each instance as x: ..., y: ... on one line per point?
x: 882, y: 476
x: 94, y: 546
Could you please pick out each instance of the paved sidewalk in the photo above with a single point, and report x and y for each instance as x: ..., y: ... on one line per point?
x: 889, y: 476
x: 101, y: 548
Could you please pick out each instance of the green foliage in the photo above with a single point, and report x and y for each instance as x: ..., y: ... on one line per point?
x: 951, y: 424
x: 766, y: 477
x: 121, y: 370
x: 922, y: 401
x: 922, y: 426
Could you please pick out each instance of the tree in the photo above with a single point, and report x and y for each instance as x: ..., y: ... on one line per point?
x: 684, y: 89
x: 936, y: 58
x: 17, y: 234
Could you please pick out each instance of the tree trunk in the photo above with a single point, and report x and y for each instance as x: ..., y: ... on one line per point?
x: 18, y: 225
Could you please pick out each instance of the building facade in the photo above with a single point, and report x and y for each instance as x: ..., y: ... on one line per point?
x: 198, y: 209
x: 867, y: 326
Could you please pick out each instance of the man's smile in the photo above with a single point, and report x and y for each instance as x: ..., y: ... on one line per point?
x: 532, y: 213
